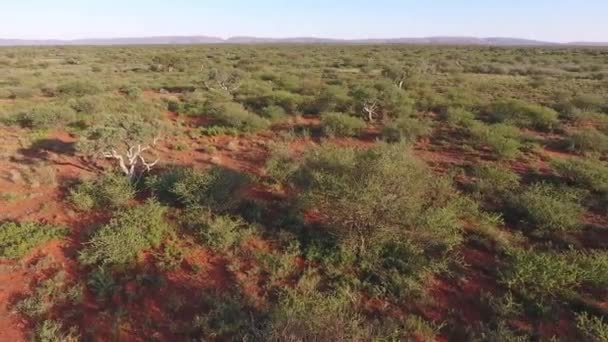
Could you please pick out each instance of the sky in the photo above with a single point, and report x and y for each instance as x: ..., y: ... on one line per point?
x: 552, y: 20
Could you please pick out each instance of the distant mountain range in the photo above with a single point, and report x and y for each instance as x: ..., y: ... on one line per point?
x: 183, y: 40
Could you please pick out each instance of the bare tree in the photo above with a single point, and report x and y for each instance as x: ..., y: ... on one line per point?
x: 370, y: 108
x: 125, y: 139
x: 220, y: 79
x: 132, y: 162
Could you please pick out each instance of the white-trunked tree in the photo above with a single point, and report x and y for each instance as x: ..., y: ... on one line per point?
x: 127, y: 139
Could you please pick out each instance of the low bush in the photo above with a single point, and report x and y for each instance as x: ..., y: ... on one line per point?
x: 78, y: 88
x: 549, y: 208
x: 592, y: 328
x: 494, y: 183
x: 87, y: 104
x: 236, y: 116
x: 591, y: 174
x: 406, y: 129
x: 280, y: 166
x: 381, y: 194
x: 130, y: 91
x: 130, y: 232
x: 588, y: 141
x: 228, y: 318
x: 525, y: 114
x: 540, y: 275
x: 274, y: 113
x: 214, y: 130
x: 221, y: 233
x: 503, y: 140
x: 214, y: 188
x: 458, y: 117
x: 341, y: 125
x: 44, y: 116
x: 108, y: 191
x: 589, y: 102
x: 17, y: 239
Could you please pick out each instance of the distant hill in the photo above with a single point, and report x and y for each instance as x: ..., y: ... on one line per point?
x: 182, y: 40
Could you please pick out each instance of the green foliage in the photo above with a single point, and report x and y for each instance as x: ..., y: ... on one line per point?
x: 549, y: 208
x: 214, y: 188
x: 458, y: 117
x: 406, y: 129
x: 494, y: 183
x: 502, y: 139
x: 541, y: 275
x: 525, y: 114
x: 102, y: 283
x: 227, y: 316
x: 130, y: 232
x: 120, y: 132
x: 17, y: 239
x: 221, y: 233
x: 592, y: 328
x: 78, y: 88
x: 53, y: 331
x: 214, y: 130
x: 591, y: 174
x: 307, y: 314
x: 236, y: 116
x: 130, y: 91
x: 274, y: 113
x: 280, y: 166
x: 382, y: 194
x: 108, y: 191
x: 43, y: 116
x: 341, y: 125
x: 588, y: 141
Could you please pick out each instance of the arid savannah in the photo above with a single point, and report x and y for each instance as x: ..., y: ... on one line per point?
x: 303, y: 193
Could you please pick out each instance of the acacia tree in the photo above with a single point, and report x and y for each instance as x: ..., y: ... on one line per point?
x: 222, y: 79
x: 125, y: 139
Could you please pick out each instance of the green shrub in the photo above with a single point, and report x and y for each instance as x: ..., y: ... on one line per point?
x: 502, y: 139
x: 341, y: 125
x: 130, y: 232
x: 549, y: 208
x: 280, y: 166
x: 589, y: 102
x: 44, y: 116
x: 78, y: 88
x: 380, y: 194
x: 406, y: 129
x: 592, y: 328
x: 109, y: 191
x: 290, y: 102
x: 53, y: 331
x: 525, y: 114
x: 587, y: 141
x: 236, y: 116
x: 494, y: 183
x: 88, y: 104
x: 222, y: 232
x: 20, y: 93
x: 306, y: 314
x: 214, y: 188
x: 228, y: 318
x: 591, y: 174
x: 214, y: 130
x: 539, y: 275
x: 130, y: 91
x: 17, y: 239
x: 458, y: 117
x: 274, y: 113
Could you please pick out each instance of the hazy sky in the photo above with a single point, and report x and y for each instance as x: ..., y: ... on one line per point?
x: 556, y: 20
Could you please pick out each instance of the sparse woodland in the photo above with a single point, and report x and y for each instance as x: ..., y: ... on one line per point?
x: 304, y: 193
